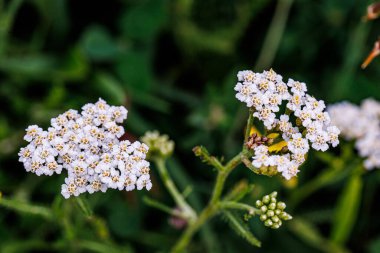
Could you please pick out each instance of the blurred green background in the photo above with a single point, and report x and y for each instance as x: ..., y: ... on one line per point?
x: 173, y: 64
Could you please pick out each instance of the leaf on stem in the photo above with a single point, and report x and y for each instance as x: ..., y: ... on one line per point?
x: 203, y: 153
x: 347, y: 210
x: 310, y: 234
x: 241, y: 228
x: 84, y: 206
x: 27, y: 208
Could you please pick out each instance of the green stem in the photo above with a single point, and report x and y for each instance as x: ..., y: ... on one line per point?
x: 84, y: 206
x: 274, y: 35
x: 207, y: 158
x: 248, y: 127
x: 6, y: 22
x: 327, y: 177
x: 212, y: 208
x: 169, y: 184
x: 249, y: 165
x: 162, y: 207
x: 27, y: 208
x: 239, y: 206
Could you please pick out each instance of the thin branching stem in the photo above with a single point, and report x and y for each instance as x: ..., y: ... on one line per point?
x: 240, y: 206
x: 174, y: 192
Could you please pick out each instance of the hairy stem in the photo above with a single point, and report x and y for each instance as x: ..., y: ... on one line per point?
x: 212, y: 208
x: 174, y: 192
x: 239, y: 206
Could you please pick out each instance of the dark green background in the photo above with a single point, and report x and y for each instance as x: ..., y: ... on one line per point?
x: 173, y: 64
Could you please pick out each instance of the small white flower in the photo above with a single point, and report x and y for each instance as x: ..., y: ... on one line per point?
x: 143, y: 182
x: 320, y: 142
x: 264, y: 85
x: 260, y: 160
x: 282, y: 162
x: 295, y: 102
x: 297, y: 87
x: 298, y: 144
x: 32, y: 132
x: 323, y: 117
x: 314, y: 105
x: 261, y: 150
x: 312, y: 129
x: 244, y: 91
x: 267, y: 116
x: 305, y: 115
x: 282, y: 90
x: 246, y: 76
x: 333, y: 133
x: 298, y: 158
x: 274, y: 100
x: 284, y: 124
x: 291, y: 171
x: 272, y: 76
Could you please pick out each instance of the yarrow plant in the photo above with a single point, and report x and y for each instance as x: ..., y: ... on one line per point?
x: 361, y: 124
x: 86, y: 145
x: 266, y: 93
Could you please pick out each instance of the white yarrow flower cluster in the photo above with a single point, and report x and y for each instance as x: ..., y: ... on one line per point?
x: 266, y: 92
x: 86, y: 145
x: 360, y: 123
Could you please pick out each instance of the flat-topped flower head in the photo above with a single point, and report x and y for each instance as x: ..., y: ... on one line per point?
x: 298, y: 119
x: 87, y: 147
x: 361, y: 123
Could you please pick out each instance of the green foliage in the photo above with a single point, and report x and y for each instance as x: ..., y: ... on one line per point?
x: 241, y: 229
x: 347, y: 209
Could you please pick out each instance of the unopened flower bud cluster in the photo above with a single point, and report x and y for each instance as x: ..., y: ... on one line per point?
x: 265, y: 93
x: 86, y: 145
x: 272, y: 211
x: 360, y: 123
x: 158, y: 144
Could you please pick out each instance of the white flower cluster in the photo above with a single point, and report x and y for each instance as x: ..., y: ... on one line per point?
x: 266, y: 92
x: 361, y: 123
x: 87, y: 146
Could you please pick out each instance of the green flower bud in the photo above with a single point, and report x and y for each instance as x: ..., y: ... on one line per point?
x: 272, y: 212
x: 266, y: 199
x: 263, y: 217
x: 264, y: 209
x: 268, y: 223
x: 273, y: 194
x: 281, y: 205
x: 272, y: 206
x: 275, y: 219
x: 159, y: 145
x: 285, y: 216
